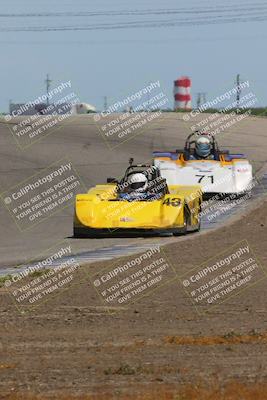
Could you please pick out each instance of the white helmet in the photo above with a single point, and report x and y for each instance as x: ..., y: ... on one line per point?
x: 203, y: 146
x: 138, y: 182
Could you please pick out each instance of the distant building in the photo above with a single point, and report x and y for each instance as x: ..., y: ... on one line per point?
x: 17, y: 109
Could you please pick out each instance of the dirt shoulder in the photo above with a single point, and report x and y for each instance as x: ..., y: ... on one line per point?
x: 73, y: 344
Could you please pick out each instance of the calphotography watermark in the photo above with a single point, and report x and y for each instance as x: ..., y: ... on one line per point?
x: 41, y: 280
x: 123, y: 283
x: 226, y: 116
x: 217, y: 101
x: 41, y: 116
x: 128, y: 117
x: 219, y: 205
x: 223, y: 276
x: 129, y: 207
x: 40, y: 196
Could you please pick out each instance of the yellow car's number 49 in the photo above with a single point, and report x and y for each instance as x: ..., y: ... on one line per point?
x: 174, y: 202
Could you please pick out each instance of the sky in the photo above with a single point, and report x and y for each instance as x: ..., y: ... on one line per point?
x: 115, y: 48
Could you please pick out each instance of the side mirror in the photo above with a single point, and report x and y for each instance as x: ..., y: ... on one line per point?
x: 112, y: 180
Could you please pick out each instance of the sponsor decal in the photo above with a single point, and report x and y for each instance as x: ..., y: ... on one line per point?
x: 242, y: 170
x: 126, y: 219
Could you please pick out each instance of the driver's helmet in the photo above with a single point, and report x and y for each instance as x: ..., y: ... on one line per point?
x: 203, y: 146
x: 138, y: 182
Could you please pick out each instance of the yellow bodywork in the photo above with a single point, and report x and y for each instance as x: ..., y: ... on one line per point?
x: 99, y: 209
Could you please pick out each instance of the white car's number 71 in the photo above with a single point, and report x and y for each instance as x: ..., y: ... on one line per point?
x: 207, y: 176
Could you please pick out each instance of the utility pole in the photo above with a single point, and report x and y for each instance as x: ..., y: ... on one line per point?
x: 201, y: 98
x: 105, y: 103
x: 198, y: 100
x: 148, y: 99
x: 238, y: 90
x: 48, y: 84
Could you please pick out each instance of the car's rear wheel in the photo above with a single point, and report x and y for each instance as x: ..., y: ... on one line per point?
x: 198, y: 226
x: 76, y: 233
x: 187, y: 218
x: 79, y: 233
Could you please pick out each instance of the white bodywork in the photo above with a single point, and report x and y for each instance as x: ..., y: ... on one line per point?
x: 213, y: 176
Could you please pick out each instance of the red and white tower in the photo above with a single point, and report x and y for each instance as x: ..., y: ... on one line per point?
x: 182, y: 93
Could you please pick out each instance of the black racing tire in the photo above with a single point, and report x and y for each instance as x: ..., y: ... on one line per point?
x: 77, y: 234
x: 180, y: 232
x: 185, y: 229
x: 198, y: 227
x: 80, y: 234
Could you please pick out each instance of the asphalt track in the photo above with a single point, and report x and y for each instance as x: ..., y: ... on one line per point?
x: 79, y: 139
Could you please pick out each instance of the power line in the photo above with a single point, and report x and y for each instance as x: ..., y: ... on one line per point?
x: 192, y: 10
x: 141, y: 24
x: 186, y: 16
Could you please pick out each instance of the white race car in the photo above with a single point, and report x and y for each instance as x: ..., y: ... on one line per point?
x: 218, y: 172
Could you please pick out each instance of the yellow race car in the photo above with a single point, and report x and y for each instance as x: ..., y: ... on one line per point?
x: 140, y: 203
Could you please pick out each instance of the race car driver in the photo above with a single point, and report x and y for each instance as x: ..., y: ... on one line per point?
x: 202, y: 149
x: 137, y: 188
